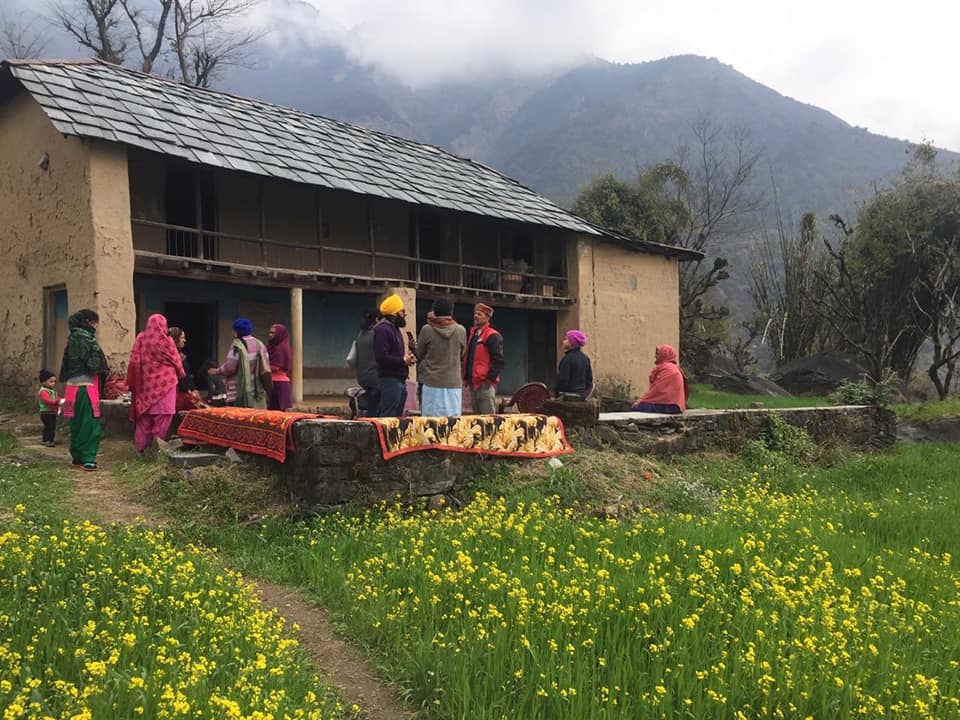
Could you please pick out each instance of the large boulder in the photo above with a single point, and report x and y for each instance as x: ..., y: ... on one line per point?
x: 818, y: 374
x: 746, y: 384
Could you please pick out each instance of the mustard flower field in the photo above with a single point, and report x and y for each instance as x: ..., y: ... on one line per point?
x: 804, y: 595
x: 117, y: 623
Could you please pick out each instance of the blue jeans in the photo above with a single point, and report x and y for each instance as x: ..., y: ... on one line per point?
x: 664, y: 409
x: 370, y: 401
x: 393, y: 397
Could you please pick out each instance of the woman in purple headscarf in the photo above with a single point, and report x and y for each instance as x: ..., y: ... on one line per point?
x: 278, y: 347
x: 575, y: 376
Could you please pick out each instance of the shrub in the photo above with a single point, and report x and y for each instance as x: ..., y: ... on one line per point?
x: 756, y: 454
x: 789, y: 440
x: 779, y: 441
x: 866, y: 392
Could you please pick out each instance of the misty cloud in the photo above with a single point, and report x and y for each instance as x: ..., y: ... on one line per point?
x: 424, y: 42
x: 878, y: 64
x: 861, y: 59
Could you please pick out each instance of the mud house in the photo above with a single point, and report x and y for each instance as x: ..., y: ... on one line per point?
x: 132, y: 194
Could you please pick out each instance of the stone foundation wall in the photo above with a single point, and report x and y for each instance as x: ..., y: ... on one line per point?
x: 699, y: 430
x: 336, y: 462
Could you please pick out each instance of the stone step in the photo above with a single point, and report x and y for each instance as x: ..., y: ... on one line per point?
x: 193, y: 459
x: 28, y: 429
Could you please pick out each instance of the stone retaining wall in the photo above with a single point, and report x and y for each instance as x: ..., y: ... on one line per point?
x: 336, y: 462
x: 698, y: 430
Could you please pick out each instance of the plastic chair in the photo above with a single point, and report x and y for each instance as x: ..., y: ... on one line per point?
x: 528, y: 398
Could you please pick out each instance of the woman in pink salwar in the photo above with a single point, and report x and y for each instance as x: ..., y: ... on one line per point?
x: 152, y: 374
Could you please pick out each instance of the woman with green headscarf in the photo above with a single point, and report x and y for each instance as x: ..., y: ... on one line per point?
x: 84, y: 368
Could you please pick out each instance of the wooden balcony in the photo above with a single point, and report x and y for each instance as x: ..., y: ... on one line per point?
x: 162, y: 248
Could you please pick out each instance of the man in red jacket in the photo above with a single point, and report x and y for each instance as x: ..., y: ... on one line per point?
x: 483, y: 361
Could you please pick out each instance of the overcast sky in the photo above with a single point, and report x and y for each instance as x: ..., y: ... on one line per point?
x: 888, y: 66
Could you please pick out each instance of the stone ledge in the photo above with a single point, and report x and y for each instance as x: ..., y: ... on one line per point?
x: 860, y: 426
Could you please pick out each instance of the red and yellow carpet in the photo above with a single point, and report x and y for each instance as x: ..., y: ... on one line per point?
x: 515, y: 435
x: 263, y: 432
x: 268, y: 432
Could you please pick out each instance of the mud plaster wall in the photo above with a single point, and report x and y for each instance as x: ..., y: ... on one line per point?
x: 627, y: 304
x: 67, y: 225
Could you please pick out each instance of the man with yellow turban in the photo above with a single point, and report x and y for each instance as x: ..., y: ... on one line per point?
x: 393, y: 361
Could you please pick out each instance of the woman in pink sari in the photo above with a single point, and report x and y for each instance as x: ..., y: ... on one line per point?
x: 152, y: 375
x: 668, y: 389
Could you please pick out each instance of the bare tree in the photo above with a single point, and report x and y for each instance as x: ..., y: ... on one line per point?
x: 204, y: 38
x: 936, y: 300
x: 848, y: 305
x: 150, y: 44
x: 96, y: 25
x: 191, y: 39
x: 784, y: 286
x: 21, y: 38
x: 718, y: 164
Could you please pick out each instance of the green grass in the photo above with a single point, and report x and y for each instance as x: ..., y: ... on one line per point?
x: 800, y: 591
x: 933, y: 410
x: 706, y: 397
x: 40, y: 486
x: 197, y: 504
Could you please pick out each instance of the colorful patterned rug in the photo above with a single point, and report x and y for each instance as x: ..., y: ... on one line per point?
x: 515, y: 435
x: 264, y: 432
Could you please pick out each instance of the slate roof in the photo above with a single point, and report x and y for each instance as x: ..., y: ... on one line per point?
x: 94, y: 99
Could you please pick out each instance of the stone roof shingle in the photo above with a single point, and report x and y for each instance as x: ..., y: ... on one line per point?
x: 98, y: 100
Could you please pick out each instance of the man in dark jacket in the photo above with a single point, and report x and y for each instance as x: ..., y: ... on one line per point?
x: 393, y: 361
x: 365, y: 363
x: 483, y: 361
x: 575, y: 375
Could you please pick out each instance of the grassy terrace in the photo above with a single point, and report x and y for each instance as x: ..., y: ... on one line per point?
x: 790, y: 581
x: 703, y: 396
x: 929, y: 410
x: 785, y: 592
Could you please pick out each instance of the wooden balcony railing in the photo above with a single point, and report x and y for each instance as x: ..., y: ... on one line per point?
x: 185, y: 242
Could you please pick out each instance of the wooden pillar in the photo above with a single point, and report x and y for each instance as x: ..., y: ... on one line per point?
x: 416, y: 239
x: 296, y: 343
x: 499, y: 259
x: 373, y: 247
x: 319, y: 231
x: 564, y: 264
x: 262, y: 221
x: 460, y: 248
x: 198, y: 209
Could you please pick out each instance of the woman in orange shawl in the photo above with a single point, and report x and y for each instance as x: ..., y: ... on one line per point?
x: 152, y: 375
x: 668, y: 385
